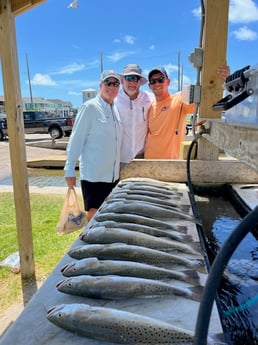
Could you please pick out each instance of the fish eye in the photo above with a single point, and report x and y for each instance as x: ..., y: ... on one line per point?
x: 59, y: 315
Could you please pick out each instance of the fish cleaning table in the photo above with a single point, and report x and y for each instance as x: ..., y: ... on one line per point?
x: 32, y: 326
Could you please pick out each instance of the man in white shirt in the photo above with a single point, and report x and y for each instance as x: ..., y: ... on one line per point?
x: 133, y: 105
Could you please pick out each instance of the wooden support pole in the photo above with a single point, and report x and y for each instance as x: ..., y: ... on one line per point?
x: 14, y: 110
x: 215, y: 47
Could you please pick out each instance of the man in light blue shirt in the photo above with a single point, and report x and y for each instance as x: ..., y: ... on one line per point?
x: 96, y: 142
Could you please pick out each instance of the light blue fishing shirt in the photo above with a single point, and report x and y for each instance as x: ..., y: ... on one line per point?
x: 96, y: 142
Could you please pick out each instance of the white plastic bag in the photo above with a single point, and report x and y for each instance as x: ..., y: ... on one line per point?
x: 72, y: 217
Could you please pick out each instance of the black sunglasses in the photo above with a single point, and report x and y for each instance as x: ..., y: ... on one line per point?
x: 109, y: 83
x: 135, y: 78
x: 157, y: 80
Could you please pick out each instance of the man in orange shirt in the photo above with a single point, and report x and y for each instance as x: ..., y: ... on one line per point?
x: 166, y: 118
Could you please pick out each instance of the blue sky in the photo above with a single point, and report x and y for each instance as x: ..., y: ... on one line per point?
x: 63, y: 45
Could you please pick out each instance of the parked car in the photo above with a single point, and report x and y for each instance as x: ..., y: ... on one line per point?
x: 41, y: 122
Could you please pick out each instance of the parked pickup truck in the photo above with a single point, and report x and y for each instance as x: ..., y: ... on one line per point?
x: 41, y: 122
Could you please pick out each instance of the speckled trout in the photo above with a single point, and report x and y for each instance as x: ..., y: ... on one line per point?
x: 94, y: 266
x: 123, y: 196
x: 147, y: 210
x: 150, y: 193
x: 174, y: 235
x: 104, y: 235
x: 116, y: 326
x: 150, y: 188
x: 137, y: 219
x: 122, y: 251
x: 119, y: 287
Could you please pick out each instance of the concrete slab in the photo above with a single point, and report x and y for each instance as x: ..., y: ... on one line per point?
x: 32, y: 326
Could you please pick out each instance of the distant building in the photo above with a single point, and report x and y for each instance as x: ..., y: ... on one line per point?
x: 56, y: 106
x: 88, y: 94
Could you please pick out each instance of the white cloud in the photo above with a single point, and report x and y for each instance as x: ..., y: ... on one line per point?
x: 117, y: 40
x: 152, y: 47
x: 70, y: 69
x: 171, y: 68
x: 129, y: 39
x: 243, y: 11
x: 43, y: 80
x: 74, y: 93
x: 245, y: 34
x: 197, y: 12
x: 119, y: 55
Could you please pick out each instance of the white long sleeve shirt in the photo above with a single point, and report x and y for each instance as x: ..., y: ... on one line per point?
x: 96, y: 142
x: 133, y: 115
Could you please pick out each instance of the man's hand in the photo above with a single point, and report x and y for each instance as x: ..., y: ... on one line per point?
x: 71, y: 181
x: 223, y: 72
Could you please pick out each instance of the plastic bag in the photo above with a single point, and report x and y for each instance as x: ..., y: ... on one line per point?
x: 72, y: 217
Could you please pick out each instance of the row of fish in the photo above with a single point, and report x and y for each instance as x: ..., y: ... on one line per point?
x: 131, y: 252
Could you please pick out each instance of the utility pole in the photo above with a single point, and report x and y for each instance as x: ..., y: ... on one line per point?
x: 28, y: 71
x: 178, y: 72
x: 101, y: 62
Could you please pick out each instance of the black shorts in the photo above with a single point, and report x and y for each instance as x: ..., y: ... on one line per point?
x: 94, y: 193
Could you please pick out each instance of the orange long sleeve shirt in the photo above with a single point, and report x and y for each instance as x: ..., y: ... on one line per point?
x: 166, y: 127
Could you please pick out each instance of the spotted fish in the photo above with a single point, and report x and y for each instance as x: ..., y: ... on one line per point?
x: 103, y: 235
x: 118, y: 287
x: 122, y: 251
x: 94, y: 266
x: 116, y: 326
x: 137, y: 219
x: 123, y: 196
x: 147, y: 210
x: 174, y: 235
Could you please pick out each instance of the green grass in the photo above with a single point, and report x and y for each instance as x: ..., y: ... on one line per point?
x: 49, y: 247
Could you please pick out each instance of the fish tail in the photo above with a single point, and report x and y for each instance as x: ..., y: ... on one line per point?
x: 186, y: 238
x: 196, y: 292
x: 199, y: 265
x: 192, y: 276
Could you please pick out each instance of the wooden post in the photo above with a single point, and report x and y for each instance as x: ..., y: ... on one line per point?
x: 214, y: 47
x: 14, y: 110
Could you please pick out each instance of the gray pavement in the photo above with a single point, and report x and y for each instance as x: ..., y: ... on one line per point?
x: 39, y: 182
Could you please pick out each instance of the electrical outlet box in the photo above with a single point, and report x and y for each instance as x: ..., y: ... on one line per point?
x: 191, y: 94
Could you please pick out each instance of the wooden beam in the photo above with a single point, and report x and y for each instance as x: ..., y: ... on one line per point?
x: 14, y: 110
x: 20, y: 6
x: 215, y: 48
x: 202, y: 171
x: 239, y: 141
